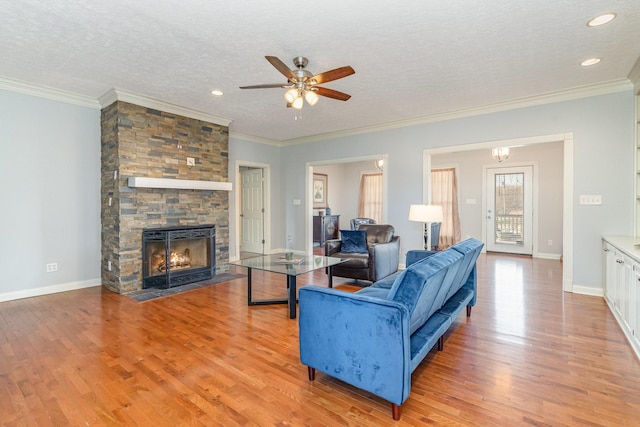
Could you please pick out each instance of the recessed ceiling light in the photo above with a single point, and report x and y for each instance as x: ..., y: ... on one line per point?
x: 590, y: 61
x: 217, y: 92
x: 601, y: 20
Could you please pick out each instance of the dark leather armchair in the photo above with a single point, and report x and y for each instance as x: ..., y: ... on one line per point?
x: 380, y: 261
x: 357, y: 222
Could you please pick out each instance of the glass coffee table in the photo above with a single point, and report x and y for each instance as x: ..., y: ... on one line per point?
x: 276, y: 263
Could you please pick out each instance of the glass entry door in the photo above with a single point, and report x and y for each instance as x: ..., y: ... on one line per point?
x: 510, y: 210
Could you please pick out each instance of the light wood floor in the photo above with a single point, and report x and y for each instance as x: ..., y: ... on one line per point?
x: 530, y: 354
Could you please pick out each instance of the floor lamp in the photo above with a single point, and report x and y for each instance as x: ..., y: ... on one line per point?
x: 426, y: 214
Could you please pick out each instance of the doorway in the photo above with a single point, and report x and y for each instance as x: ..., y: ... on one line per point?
x: 252, y: 209
x: 566, y: 199
x: 509, y: 215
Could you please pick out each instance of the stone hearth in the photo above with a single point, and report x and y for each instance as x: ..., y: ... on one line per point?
x: 143, y: 142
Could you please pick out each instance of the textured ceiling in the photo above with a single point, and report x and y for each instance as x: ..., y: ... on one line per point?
x: 412, y: 58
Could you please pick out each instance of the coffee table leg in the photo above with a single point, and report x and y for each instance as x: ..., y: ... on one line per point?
x: 291, y: 285
x: 249, y: 286
x: 331, y: 277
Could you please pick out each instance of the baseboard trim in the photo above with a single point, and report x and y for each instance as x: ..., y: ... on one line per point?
x: 585, y: 290
x: 543, y: 255
x: 46, y: 290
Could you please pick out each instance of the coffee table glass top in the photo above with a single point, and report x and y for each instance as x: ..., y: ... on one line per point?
x: 276, y: 263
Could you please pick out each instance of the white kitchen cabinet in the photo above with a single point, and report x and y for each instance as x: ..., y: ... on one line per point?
x: 621, y: 277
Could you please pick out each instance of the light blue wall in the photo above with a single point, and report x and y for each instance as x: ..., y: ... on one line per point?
x: 50, y: 179
x: 602, y: 127
x: 49, y: 192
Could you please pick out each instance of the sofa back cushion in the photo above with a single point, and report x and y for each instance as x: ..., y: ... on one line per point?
x: 377, y: 233
x: 470, y: 250
x: 424, y: 285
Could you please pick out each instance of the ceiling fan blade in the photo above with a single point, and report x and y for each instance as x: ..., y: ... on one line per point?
x: 330, y: 93
x: 281, y: 66
x: 336, y: 74
x: 267, y: 86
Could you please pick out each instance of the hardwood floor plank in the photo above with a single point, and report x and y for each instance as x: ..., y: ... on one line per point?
x: 530, y: 354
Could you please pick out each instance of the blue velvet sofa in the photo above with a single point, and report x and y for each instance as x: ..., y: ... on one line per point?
x: 376, y: 337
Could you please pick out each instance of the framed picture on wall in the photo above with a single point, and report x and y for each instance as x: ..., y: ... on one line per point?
x: 320, y: 182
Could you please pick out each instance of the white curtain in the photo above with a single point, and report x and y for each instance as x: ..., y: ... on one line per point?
x: 371, y: 196
x: 444, y: 192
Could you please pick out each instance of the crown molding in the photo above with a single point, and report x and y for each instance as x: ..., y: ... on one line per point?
x: 256, y: 139
x: 113, y: 95
x: 634, y: 76
x: 47, y: 92
x: 612, y: 86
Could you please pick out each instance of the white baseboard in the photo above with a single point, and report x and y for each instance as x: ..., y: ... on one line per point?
x: 46, y: 290
x: 543, y: 255
x: 585, y: 290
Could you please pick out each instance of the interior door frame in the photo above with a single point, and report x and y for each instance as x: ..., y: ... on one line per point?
x: 567, y: 186
x: 266, y: 194
x: 260, y: 239
x: 534, y: 207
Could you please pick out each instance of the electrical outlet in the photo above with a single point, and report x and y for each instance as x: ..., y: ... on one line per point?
x: 108, y: 265
x: 550, y: 242
x: 191, y: 161
x: 52, y: 267
x: 289, y: 238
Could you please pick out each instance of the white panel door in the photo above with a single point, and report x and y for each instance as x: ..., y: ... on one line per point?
x: 252, y: 211
x: 510, y: 210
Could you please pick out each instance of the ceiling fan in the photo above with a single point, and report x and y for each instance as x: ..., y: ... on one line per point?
x: 303, y: 85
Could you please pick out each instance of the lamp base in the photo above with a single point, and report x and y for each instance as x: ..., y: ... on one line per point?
x: 426, y: 236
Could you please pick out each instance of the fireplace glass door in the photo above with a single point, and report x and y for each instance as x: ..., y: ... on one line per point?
x: 178, y: 255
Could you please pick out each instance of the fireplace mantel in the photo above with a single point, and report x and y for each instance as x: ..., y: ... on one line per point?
x: 180, y: 184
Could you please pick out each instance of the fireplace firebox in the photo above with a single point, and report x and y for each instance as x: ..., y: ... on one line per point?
x: 173, y: 256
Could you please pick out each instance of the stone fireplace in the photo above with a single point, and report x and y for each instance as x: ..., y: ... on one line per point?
x: 140, y: 143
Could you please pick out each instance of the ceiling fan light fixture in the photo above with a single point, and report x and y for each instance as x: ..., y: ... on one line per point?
x: 298, y: 103
x: 291, y: 95
x: 311, y: 97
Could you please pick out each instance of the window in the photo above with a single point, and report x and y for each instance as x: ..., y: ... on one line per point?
x: 371, y: 196
x: 444, y: 192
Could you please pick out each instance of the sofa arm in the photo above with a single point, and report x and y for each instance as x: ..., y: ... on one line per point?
x: 416, y: 255
x: 361, y: 340
x: 332, y: 246
x: 384, y: 259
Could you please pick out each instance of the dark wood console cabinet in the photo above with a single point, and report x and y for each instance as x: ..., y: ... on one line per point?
x: 325, y: 228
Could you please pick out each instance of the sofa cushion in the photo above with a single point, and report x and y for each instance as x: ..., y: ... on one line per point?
x: 470, y: 249
x: 369, y: 291
x: 377, y: 233
x: 424, y: 285
x: 354, y: 241
x: 387, y: 282
x: 353, y: 260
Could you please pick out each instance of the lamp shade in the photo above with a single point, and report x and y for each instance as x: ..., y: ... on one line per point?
x: 298, y: 103
x: 311, y: 97
x: 291, y: 95
x: 426, y: 213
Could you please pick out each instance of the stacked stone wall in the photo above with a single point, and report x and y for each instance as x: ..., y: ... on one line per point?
x: 143, y: 142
